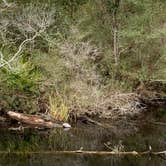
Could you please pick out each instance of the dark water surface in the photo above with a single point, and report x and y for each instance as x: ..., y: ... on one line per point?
x: 125, y: 136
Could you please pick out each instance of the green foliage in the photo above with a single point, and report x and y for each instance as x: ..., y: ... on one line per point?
x: 24, y: 80
x: 140, y: 31
x: 19, y: 88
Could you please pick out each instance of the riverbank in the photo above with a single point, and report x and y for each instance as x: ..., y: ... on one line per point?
x: 123, y: 124
x: 114, y: 107
x: 18, y: 145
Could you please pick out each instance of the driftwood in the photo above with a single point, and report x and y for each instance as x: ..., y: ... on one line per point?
x: 33, y: 120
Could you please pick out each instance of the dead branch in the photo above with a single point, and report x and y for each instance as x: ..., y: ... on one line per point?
x: 32, y: 21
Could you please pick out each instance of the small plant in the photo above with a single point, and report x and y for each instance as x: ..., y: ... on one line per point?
x: 58, y: 108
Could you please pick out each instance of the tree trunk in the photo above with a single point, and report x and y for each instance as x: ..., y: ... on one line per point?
x: 115, y: 43
x: 116, y: 47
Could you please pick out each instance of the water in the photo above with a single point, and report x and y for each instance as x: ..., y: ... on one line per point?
x: 126, y: 135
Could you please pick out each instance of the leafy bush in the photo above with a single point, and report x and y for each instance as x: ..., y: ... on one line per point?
x: 19, y: 88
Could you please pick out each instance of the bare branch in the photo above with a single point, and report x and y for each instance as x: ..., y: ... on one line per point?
x: 29, y: 22
x: 19, y: 50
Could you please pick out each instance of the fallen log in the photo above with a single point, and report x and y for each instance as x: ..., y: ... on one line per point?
x: 33, y: 120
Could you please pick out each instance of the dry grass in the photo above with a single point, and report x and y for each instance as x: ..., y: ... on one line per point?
x: 58, y: 109
x: 121, y: 104
x: 95, y: 102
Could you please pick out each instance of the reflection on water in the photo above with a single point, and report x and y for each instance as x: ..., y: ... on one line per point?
x: 88, y: 137
x: 79, y: 160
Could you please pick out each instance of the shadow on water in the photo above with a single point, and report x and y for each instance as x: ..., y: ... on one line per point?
x: 89, y: 138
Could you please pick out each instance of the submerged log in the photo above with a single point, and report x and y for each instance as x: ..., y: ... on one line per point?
x: 133, y: 153
x: 33, y: 120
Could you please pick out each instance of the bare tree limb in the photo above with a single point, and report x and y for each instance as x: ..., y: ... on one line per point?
x: 17, y: 54
x: 33, y: 20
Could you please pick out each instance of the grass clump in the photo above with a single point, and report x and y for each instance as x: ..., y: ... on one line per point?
x: 58, y: 108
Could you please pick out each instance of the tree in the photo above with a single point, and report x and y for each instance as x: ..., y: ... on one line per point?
x: 112, y: 7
